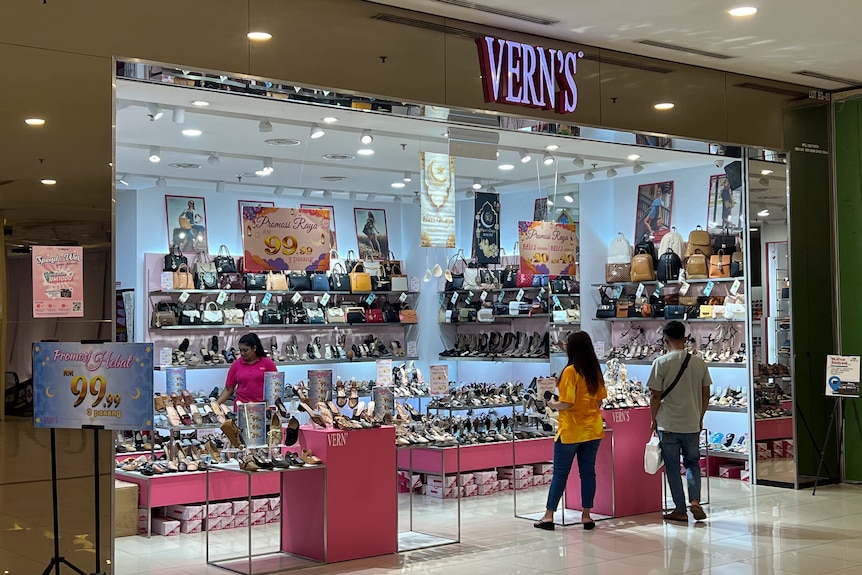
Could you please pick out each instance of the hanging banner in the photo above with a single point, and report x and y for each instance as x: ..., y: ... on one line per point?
x: 438, y: 200
x: 108, y: 385
x: 547, y: 248
x: 58, y: 281
x: 281, y: 239
x: 486, y: 229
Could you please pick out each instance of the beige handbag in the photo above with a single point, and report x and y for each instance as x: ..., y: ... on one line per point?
x: 616, y: 273
x: 276, y: 282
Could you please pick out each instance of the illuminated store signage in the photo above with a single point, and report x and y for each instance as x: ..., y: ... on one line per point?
x: 525, y: 75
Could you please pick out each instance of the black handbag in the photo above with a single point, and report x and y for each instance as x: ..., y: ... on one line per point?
x: 608, y: 307
x: 390, y: 314
x: 645, y: 246
x: 206, y: 280
x: 255, y: 281
x: 189, y: 315
x: 674, y: 312
x: 231, y: 281
x: 299, y: 281
x: 355, y: 315
x: 509, y: 277
x: 224, y: 263
x: 338, y: 279
x: 669, y: 265
x: 457, y: 281
x: 271, y: 316
x: 174, y: 259
x: 725, y: 241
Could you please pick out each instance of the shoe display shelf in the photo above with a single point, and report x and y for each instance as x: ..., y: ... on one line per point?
x: 286, y: 481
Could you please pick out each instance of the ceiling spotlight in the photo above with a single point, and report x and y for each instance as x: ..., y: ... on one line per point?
x: 398, y: 185
x: 477, y: 184
x: 366, y: 137
x: 763, y: 214
x: 330, y: 120
x: 719, y: 163
x: 578, y: 161
x: 569, y: 198
x: 589, y: 176
x: 552, y: 147
x: 267, y: 166
x: 743, y: 11
x: 397, y: 199
x: 561, y: 180
x: 306, y: 193
x: 317, y: 132
x: 664, y: 106
x: 213, y: 159
x: 48, y: 182
x: 765, y: 172
x: 264, y: 126
x: 547, y: 159
x: 416, y: 199
x: 327, y: 194
x: 611, y: 173
x: 407, y: 177
x: 191, y: 133
x: 155, y: 154
x: 470, y: 194
x: 259, y: 36
x: 278, y: 191
x: 161, y: 182
x: 34, y: 122
x: 220, y: 187
x: 154, y: 111
x: 633, y: 157
x: 525, y: 155
x: 763, y: 181
x: 492, y: 190
x: 638, y: 168
x: 550, y: 202
x: 371, y: 197
x: 505, y: 167
x: 178, y: 116
x: 365, y: 152
x: 200, y: 103
x: 122, y: 179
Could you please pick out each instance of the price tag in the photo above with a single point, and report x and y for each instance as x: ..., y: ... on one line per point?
x: 681, y: 277
x: 541, y: 292
x: 640, y: 290
x: 708, y: 289
x: 501, y: 296
x: 557, y: 301
x: 384, y: 372
x: 658, y: 287
x: 296, y: 298
x: 454, y: 299
x: 439, y: 380
x: 325, y: 299
x: 684, y: 289
x: 403, y: 297
x: 618, y: 291
x: 600, y: 348
x: 483, y: 296
x: 469, y: 298
x: 411, y: 349
x: 166, y: 356
x: 370, y: 299
x: 222, y: 296
x: 267, y: 297
x: 734, y: 288
x: 184, y: 297
x: 414, y: 283
x: 520, y: 295
x: 544, y: 384
x: 441, y: 297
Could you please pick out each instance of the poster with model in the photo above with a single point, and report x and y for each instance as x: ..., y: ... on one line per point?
x: 655, y: 202
x: 187, y: 223
x: 280, y: 239
x: 251, y: 204
x: 333, y: 239
x: 437, y: 201
x: 547, y: 248
x: 725, y: 206
x: 372, y: 237
x: 58, y: 281
x: 486, y: 228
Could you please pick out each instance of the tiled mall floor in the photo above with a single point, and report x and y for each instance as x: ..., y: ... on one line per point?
x: 750, y: 531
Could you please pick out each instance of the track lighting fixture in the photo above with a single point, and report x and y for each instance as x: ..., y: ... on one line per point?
x: 396, y: 199
x: 638, y: 168
x: 562, y: 180
x: 719, y: 163
x: 371, y: 197
x: 122, y: 179
x: 327, y: 194
x: 611, y: 173
x: 278, y: 191
x: 407, y: 177
x: 550, y: 202
x: 317, y: 132
x: 155, y: 112
x: 267, y: 168
x: 306, y: 193
x: 578, y: 161
x: 569, y: 198
x: 416, y: 199
x: 547, y: 158
x: 213, y: 159
x: 178, y: 116
x: 220, y: 187
x: 470, y: 194
x: 161, y: 182
x: 492, y: 190
x: 590, y: 175
x: 366, y: 137
x: 155, y: 154
x: 525, y: 155
x: 264, y: 126
x: 477, y: 184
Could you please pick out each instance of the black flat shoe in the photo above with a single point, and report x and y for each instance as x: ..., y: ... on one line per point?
x: 546, y: 525
x: 291, y: 432
x: 589, y: 525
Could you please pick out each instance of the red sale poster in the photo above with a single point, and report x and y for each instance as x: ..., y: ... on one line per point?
x: 58, y: 281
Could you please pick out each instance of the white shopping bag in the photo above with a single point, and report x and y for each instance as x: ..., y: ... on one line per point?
x: 652, y: 456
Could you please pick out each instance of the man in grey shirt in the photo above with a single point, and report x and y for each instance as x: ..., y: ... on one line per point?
x: 677, y: 415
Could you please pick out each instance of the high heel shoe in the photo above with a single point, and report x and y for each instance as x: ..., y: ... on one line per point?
x: 315, y: 417
x: 184, y: 416
x: 279, y: 406
x: 353, y: 397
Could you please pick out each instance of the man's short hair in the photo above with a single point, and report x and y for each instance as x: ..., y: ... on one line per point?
x: 674, y: 330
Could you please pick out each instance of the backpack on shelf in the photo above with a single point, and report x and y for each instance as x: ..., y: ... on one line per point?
x: 697, y: 266
x: 642, y: 267
x: 699, y: 241
x: 620, y: 250
x: 645, y: 246
x: 669, y: 264
x: 724, y: 241
x: 672, y: 241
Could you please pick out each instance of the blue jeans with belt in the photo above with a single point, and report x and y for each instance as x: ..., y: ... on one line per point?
x: 564, y: 455
x: 688, y: 446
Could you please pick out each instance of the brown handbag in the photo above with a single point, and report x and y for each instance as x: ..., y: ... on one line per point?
x: 642, y: 268
x: 276, y: 282
x: 696, y: 267
x: 623, y: 308
x: 617, y: 273
x: 719, y: 265
x: 409, y: 316
x: 183, y: 278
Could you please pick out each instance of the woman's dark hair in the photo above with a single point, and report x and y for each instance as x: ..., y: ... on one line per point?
x: 252, y: 341
x: 582, y: 357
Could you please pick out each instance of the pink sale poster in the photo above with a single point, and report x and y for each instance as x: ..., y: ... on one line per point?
x: 58, y: 281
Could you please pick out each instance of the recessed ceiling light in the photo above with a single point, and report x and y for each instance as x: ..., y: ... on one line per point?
x: 282, y: 142
x: 192, y: 133
x: 259, y: 36
x: 743, y: 11
x: 34, y: 122
x: 339, y: 157
x: 505, y: 167
x: 552, y: 147
x: 765, y: 172
x: 633, y: 157
x: 330, y: 119
x: 366, y: 137
x: 48, y: 182
x: 752, y: 229
x: 664, y: 106
x: 317, y: 132
x: 200, y: 103
x: 334, y: 178
x: 365, y: 152
x: 184, y: 165
x: 397, y: 185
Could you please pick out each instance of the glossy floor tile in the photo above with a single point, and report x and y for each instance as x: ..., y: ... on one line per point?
x: 750, y: 531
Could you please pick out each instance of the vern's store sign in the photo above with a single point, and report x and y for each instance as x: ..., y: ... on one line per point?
x: 532, y: 76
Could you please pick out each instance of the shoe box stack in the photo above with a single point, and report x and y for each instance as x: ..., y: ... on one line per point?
x: 775, y: 449
x: 408, y: 482
x: 483, y: 483
x: 177, y: 519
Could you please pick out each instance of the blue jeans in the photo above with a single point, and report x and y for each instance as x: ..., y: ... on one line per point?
x: 564, y: 455
x: 674, y: 445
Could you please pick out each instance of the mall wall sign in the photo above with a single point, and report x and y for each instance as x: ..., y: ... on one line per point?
x: 525, y: 75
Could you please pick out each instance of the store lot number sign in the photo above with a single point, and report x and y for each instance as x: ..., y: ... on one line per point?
x: 279, y: 239
x: 531, y: 76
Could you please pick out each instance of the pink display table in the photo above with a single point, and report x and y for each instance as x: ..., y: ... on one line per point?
x: 624, y: 488
x: 351, y: 514
x: 444, y: 460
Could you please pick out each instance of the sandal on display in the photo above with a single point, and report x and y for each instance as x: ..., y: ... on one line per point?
x: 340, y: 394
x: 353, y: 398
x: 315, y: 417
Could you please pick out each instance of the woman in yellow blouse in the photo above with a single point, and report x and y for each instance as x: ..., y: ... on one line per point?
x: 580, y: 430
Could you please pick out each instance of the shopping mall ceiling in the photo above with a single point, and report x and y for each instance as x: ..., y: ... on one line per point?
x: 783, y: 39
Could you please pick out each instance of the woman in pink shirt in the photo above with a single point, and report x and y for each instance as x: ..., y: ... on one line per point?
x: 245, y: 376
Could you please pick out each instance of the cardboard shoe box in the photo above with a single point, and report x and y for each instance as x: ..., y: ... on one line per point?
x: 466, y: 479
x: 471, y: 490
x: 240, y: 508
x: 729, y: 471
x: 275, y: 504
x: 504, y: 484
x: 258, y: 518
x: 184, y: 512
x: 126, y: 516
x: 518, y: 473
x: 542, y: 468
x: 538, y: 480
x: 445, y: 481
x: 485, y: 477
x: 486, y: 489
x: 260, y: 504
x: 166, y: 527
x: 191, y: 526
